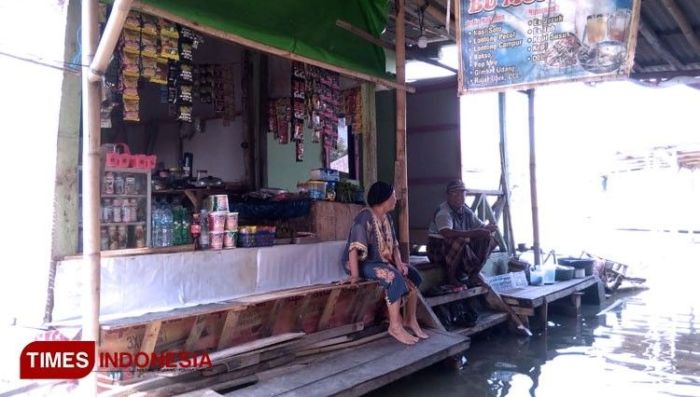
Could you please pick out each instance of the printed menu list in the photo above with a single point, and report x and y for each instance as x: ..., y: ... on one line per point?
x: 484, y: 42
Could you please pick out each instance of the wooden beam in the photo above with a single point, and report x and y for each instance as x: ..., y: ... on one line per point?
x: 656, y: 44
x: 328, y: 309
x: 363, y: 34
x: 227, y: 330
x: 683, y: 23
x: 195, y: 333
x: 440, y: 15
x: 150, y: 337
x: 369, y: 135
x: 268, y: 49
x: 401, y: 175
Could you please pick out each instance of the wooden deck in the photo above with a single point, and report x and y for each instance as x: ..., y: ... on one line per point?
x: 533, y: 301
x: 535, y: 296
x: 356, y: 371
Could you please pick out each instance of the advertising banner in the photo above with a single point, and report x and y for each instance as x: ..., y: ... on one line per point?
x: 525, y: 43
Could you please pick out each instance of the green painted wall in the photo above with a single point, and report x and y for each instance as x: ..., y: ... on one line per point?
x: 386, y: 134
x: 283, y: 171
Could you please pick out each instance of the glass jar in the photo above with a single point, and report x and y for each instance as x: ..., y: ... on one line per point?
x: 130, y: 185
x: 104, y: 239
x: 119, y: 184
x: 107, y: 211
x: 133, y: 203
x: 117, y: 211
x: 108, y: 183
x: 126, y: 210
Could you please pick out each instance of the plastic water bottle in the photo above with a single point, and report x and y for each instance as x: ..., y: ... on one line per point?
x: 167, y: 226
x: 156, y: 221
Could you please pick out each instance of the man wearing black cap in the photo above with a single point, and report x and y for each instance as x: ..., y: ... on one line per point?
x: 456, y: 237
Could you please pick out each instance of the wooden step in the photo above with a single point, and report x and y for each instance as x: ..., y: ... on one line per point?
x: 486, y: 321
x: 455, y: 296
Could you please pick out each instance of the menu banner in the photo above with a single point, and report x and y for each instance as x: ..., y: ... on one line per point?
x: 526, y: 43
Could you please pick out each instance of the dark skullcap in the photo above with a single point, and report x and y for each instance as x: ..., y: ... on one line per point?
x: 378, y: 193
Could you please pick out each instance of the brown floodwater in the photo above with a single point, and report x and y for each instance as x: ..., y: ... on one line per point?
x: 642, y: 342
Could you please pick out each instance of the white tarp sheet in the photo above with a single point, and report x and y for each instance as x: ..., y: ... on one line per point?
x: 139, y: 284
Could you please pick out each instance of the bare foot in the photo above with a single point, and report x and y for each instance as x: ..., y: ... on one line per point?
x: 417, y: 330
x: 400, y: 334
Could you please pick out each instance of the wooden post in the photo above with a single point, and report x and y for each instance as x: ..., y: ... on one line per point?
x: 368, y: 135
x: 401, y: 176
x: 533, y: 176
x: 91, y: 190
x: 505, y: 183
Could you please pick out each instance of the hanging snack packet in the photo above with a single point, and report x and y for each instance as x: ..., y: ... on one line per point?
x: 185, y: 94
x: 130, y: 65
x: 131, y: 42
x: 131, y: 110
x: 300, y: 151
x: 149, y: 46
x: 185, y: 75
x: 149, y: 25
x: 161, y: 72
x: 168, y: 29
x: 168, y: 48
x: 130, y: 87
x: 133, y: 21
x: 185, y: 113
x: 186, y: 51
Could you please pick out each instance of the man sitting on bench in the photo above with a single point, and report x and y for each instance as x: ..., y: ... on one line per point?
x: 457, y: 239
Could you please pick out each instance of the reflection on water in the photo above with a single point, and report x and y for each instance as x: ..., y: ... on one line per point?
x: 645, y: 344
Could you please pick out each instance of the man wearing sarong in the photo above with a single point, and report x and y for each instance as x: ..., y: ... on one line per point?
x: 457, y: 239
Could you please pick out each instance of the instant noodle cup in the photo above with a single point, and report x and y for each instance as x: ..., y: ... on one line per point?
x: 217, y: 221
x: 216, y: 240
x: 232, y: 221
x: 218, y: 202
x: 230, y: 239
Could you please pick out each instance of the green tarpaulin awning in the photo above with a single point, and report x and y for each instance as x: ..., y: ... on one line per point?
x: 302, y: 27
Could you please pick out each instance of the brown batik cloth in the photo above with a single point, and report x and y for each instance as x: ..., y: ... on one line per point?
x: 468, y: 254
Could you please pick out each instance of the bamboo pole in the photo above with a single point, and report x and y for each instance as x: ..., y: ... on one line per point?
x: 234, y: 38
x: 90, y: 300
x: 505, y: 183
x: 401, y: 177
x: 115, y: 23
x: 533, y: 176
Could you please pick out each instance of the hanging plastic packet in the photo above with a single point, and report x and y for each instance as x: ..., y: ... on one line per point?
x: 187, y: 33
x: 130, y: 65
x: 185, y: 113
x: 185, y: 51
x: 161, y: 72
x: 169, y: 48
x: 185, y: 94
x: 168, y: 29
x: 149, y: 25
x: 299, y: 151
x: 133, y: 21
x: 129, y: 87
x: 185, y: 75
x: 149, y: 46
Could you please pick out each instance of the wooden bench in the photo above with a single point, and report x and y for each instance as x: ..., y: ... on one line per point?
x: 534, y: 300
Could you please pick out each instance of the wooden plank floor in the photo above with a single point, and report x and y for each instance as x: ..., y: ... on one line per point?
x: 534, y: 296
x: 356, y: 371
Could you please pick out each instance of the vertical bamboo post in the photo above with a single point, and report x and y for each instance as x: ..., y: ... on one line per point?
x: 91, y: 188
x: 533, y: 176
x: 505, y: 183
x: 401, y: 177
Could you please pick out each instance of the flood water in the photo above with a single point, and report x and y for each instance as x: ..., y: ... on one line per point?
x: 642, y: 342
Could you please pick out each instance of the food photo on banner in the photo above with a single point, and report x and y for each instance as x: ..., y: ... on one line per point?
x: 525, y: 43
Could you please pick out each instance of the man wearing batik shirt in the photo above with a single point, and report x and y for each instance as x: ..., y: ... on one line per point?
x: 457, y: 238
